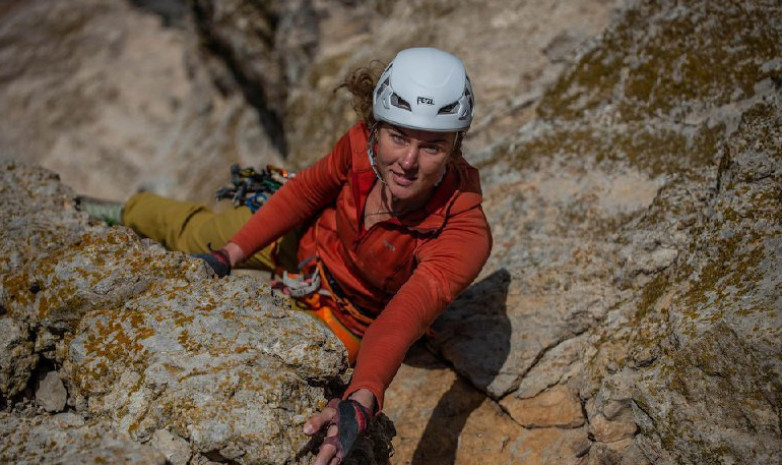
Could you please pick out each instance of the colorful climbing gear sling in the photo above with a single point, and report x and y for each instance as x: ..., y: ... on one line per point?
x: 253, y: 188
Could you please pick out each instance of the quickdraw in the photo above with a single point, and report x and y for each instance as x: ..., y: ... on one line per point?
x: 253, y: 188
x: 304, y: 284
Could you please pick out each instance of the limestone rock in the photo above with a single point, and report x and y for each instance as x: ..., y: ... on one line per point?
x: 722, y: 330
x: 100, y: 269
x: 607, y: 431
x: 442, y: 418
x: 38, y: 216
x: 259, y: 50
x: 681, y: 254
x: 625, y: 452
x: 221, y: 365
x: 556, y: 366
x: 548, y: 445
x: 69, y: 440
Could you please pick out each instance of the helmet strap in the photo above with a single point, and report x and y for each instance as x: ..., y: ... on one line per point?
x: 456, y: 142
x: 371, y: 151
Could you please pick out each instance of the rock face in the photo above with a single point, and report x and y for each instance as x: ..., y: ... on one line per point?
x: 224, y: 366
x: 629, y: 314
x: 112, y: 101
x: 150, y: 345
x: 719, y: 341
x: 637, y: 221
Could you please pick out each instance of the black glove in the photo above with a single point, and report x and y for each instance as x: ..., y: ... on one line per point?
x: 352, y: 420
x: 217, y: 260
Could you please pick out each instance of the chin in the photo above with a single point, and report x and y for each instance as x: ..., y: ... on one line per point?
x: 402, y: 192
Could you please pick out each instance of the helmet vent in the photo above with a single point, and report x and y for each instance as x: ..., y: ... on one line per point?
x: 381, y: 88
x: 448, y: 109
x: 399, y: 102
x: 467, y: 112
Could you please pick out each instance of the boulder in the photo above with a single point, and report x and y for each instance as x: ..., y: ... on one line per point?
x: 155, y: 349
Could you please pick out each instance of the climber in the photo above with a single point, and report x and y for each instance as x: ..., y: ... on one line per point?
x: 377, y: 237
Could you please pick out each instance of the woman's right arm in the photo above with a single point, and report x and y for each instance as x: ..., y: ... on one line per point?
x: 298, y: 200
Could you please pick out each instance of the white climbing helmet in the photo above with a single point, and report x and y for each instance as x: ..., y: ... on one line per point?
x: 424, y: 88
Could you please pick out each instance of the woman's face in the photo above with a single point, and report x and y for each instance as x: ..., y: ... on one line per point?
x: 412, y: 161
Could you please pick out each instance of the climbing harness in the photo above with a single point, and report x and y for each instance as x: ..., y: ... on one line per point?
x: 309, y: 291
x: 253, y: 188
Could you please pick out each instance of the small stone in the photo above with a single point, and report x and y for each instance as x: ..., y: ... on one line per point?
x: 607, y: 431
x: 201, y: 460
x: 51, y: 393
x: 559, y: 406
x: 176, y: 449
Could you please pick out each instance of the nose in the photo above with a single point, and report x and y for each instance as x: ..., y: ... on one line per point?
x: 409, y: 159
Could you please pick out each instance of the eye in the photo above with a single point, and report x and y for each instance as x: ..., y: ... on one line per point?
x: 397, y: 138
x: 433, y: 149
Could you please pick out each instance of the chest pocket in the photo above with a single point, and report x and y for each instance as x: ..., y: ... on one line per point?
x: 386, y: 258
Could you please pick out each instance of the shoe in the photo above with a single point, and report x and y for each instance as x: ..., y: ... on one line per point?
x: 108, y: 211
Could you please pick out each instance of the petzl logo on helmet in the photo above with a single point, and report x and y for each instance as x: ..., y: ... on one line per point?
x: 425, y: 100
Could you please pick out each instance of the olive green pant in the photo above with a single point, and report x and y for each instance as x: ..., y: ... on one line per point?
x: 193, y: 228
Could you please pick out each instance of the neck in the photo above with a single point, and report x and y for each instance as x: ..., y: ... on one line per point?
x: 397, y: 207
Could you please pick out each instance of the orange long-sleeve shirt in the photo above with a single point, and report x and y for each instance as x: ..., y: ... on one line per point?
x: 404, y: 271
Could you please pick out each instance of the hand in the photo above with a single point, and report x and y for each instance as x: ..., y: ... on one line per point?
x: 328, y: 451
x: 217, y: 261
x: 347, y: 420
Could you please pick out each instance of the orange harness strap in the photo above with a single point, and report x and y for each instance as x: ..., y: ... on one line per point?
x: 311, y: 292
x: 351, y: 341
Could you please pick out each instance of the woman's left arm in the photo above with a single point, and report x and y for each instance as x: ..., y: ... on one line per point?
x: 446, y: 266
x: 443, y: 271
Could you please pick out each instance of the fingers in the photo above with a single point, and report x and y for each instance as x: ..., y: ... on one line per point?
x: 316, y: 422
x: 327, y: 454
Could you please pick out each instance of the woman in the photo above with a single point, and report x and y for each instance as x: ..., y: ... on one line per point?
x: 392, y: 227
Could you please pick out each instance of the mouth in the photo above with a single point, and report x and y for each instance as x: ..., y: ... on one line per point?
x: 402, y: 180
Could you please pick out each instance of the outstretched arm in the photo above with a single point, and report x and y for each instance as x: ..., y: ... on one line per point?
x: 443, y: 272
